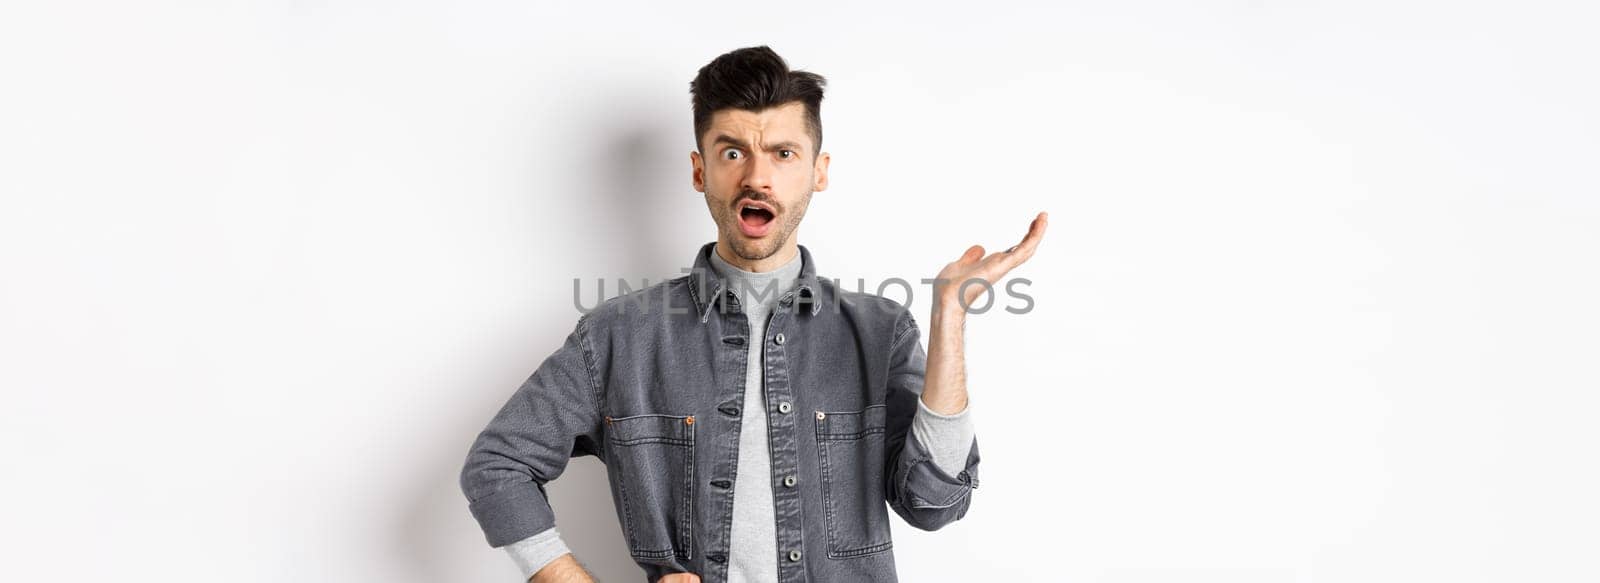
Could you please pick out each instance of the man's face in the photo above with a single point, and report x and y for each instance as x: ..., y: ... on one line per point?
x: 764, y: 160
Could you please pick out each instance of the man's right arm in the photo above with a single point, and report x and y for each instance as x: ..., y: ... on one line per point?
x: 552, y: 417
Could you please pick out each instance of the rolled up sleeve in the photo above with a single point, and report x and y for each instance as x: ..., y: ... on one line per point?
x: 919, y: 490
x: 553, y: 416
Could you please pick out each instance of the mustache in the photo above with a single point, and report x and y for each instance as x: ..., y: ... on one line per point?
x: 757, y: 196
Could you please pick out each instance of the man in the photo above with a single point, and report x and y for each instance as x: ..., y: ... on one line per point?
x: 757, y: 422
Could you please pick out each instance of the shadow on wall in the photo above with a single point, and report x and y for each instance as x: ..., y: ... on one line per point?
x: 621, y: 232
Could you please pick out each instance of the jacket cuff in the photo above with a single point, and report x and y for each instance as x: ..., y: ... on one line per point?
x: 929, y: 487
x: 513, y: 513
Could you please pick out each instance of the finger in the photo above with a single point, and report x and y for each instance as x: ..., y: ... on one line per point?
x: 999, y: 264
x: 1022, y: 251
x: 1035, y: 232
x: 973, y: 253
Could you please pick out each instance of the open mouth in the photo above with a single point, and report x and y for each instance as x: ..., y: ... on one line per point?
x: 756, y: 218
x: 755, y: 215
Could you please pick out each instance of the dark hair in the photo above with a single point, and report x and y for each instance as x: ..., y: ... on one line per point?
x: 754, y: 79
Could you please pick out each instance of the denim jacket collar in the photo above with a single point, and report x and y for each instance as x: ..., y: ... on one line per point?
x: 702, y: 275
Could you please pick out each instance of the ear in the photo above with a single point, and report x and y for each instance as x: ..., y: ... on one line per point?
x: 821, y: 172
x: 698, y: 171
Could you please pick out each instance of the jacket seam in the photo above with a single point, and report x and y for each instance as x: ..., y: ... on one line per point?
x: 589, y: 364
x: 902, y: 334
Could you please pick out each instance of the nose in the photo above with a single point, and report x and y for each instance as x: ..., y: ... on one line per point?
x: 758, y: 174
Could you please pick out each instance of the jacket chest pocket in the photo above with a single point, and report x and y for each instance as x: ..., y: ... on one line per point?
x: 850, y: 449
x: 651, y: 463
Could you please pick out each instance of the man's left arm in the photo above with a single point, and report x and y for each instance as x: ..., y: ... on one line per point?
x: 923, y: 488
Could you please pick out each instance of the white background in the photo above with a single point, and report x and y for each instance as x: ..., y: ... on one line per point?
x: 1316, y: 303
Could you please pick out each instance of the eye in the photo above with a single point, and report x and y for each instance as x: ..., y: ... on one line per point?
x: 786, y: 154
x: 731, y: 154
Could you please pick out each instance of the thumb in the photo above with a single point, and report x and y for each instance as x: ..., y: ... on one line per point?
x: 973, y: 253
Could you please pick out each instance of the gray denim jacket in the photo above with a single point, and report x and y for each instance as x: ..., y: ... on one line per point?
x: 651, y: 383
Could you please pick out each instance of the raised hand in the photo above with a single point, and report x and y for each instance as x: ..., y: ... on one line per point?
x: 991, y: 268
x: 679, y: 578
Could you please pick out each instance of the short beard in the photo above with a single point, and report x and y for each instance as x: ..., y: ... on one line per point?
x: 757, y: 250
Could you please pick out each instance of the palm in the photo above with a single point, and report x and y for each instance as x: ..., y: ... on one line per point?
x: 975, y: 265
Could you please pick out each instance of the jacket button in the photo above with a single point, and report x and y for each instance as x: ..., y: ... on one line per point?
x: 794, y: 555
x: 717, y: 557
x: 784, y: 407
x: 789, y: 481
x: 779, y: 339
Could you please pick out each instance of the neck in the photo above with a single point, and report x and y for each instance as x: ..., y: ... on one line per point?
x: 785, y: 253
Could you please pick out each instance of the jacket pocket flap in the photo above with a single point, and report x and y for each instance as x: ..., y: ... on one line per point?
x: 651, y: 428
x: 850, y: 424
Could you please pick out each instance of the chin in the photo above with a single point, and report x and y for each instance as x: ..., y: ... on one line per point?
x: 754, y: 249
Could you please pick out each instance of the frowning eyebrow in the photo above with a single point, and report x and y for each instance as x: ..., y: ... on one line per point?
x: 738, y: 143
